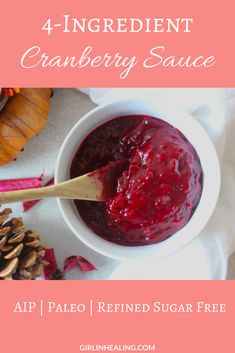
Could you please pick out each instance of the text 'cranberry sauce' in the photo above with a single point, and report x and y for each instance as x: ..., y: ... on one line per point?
x: 158, y: 189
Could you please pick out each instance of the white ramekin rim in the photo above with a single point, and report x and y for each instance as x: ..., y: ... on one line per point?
x: 193, y: 131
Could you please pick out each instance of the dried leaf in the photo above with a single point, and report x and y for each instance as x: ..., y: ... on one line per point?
x: 27, y: 205
x: 77, y: 261
x: 20, y: 184
x: 51, y: 271
x: 52, y: 263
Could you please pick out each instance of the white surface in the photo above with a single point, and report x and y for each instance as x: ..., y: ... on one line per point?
x: 204, y: 258
x: 194, y: 133
x: 67, y: 106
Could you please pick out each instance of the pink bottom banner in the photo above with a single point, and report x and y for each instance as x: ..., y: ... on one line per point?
x: 117, y: 316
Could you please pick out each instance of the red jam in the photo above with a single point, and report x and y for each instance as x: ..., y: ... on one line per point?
x: 158, y: 189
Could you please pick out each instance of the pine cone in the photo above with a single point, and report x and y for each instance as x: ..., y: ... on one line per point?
x: 57, y: 275
x: 21, y: 253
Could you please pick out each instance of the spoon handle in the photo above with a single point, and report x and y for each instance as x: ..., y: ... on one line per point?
x: 29, y: 194
x: 84, y: 187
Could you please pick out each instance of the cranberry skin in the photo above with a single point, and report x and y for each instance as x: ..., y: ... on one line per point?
x: 156, y: 193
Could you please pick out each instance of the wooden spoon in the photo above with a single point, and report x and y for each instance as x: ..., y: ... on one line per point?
x: 98, y: 185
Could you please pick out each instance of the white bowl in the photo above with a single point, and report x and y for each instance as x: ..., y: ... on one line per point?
x: 193, y: 132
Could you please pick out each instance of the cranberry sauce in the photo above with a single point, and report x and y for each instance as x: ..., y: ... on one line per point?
x: 158, y: 189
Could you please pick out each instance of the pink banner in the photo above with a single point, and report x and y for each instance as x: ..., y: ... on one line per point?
x: 165, y: 317
x: 124, y: 43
